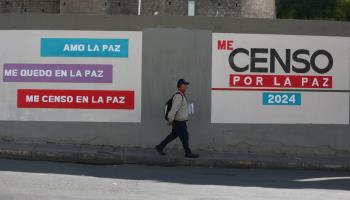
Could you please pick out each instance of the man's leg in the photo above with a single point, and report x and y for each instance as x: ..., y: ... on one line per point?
x: 183, y: 135
x: 172, y: 136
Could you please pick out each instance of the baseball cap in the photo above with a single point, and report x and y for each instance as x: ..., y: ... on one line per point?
x: 182, y: 81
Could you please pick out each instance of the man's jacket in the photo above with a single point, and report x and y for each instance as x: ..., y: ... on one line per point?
x: 179, y: 109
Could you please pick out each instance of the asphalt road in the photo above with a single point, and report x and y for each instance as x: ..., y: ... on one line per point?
x: 36, y: 180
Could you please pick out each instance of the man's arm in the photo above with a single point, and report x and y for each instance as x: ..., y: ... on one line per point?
x: 177, y: 102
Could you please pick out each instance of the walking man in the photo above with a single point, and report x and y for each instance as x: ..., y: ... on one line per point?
x: 177, y: 118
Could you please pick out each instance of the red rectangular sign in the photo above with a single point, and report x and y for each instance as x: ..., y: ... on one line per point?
x: 75, y: 99
x: 280, y: 81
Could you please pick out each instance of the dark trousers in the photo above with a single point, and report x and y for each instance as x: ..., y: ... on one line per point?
x: 179, y: 130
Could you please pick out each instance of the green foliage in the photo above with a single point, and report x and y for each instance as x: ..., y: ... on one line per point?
x: 314, y: 9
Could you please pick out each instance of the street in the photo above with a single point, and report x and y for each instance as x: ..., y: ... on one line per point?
x: 36, y: 180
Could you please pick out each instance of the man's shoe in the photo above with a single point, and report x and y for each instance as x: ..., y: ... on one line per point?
x: 160, y: 150
x: 191, y: 155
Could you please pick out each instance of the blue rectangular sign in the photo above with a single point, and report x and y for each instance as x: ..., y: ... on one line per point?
x: 282, y: 98
x: 84, y: 47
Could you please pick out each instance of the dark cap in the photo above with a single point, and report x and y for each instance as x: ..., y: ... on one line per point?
x: 181, y: 82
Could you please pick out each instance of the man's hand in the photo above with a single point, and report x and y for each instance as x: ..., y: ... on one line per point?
x: 169, y: 123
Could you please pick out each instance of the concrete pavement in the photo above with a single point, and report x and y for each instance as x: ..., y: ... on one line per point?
x: 36, y: 180
x: 131, y: 155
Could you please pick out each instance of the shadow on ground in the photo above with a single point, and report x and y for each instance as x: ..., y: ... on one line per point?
x: 288, y: 179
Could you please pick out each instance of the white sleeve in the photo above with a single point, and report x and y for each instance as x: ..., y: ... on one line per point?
x: 177, y: 102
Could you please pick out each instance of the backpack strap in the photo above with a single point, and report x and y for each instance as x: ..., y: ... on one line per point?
x: 180, y: 94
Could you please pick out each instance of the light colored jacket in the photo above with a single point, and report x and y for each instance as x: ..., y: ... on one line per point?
x: 179, y: 109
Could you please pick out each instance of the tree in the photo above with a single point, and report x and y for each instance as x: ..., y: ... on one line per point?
x: 314, y: 9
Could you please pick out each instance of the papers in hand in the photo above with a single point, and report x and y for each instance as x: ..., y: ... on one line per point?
x: 191, y: 109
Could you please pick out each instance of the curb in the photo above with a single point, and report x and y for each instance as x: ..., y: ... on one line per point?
x: 92, y: 154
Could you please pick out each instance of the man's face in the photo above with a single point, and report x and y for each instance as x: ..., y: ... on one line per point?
x: 183, y: 88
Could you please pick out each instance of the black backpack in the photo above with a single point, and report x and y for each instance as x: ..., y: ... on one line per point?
x: 168, y: 106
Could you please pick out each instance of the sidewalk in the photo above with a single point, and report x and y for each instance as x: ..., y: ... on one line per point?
x: 147, y: 156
